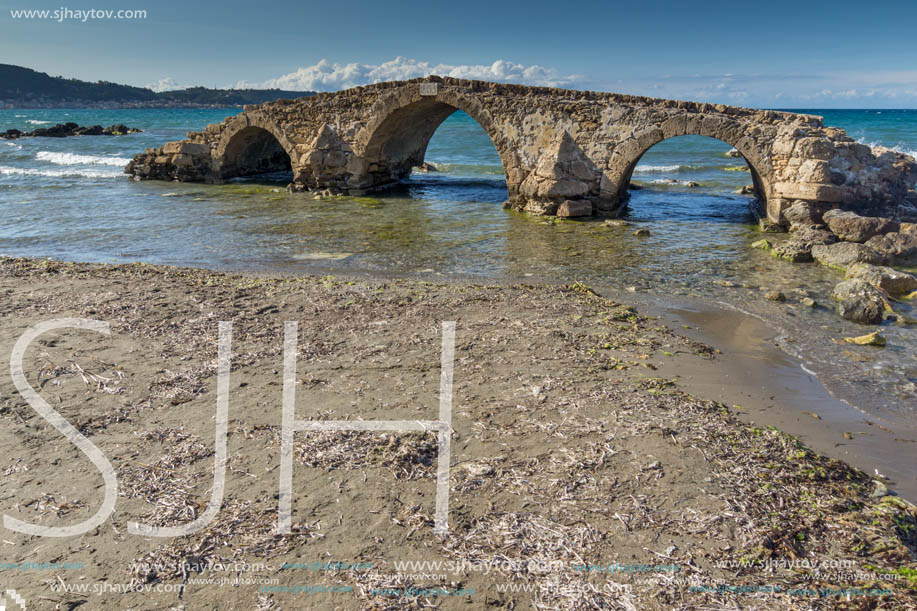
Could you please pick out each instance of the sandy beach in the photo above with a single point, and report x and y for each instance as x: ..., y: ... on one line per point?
x: 582, y: 475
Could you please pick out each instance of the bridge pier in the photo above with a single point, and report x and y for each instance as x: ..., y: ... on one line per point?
x: 563, y: 152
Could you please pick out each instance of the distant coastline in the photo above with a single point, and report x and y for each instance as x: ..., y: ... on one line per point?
x: 26, y: 88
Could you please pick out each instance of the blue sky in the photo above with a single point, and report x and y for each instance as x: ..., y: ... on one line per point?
x: 770, y: 54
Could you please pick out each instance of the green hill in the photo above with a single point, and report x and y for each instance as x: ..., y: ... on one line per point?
x: 25, y: 88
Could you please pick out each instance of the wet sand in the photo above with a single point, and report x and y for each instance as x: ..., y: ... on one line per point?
x: 573, y: 445
x: 773, y: 388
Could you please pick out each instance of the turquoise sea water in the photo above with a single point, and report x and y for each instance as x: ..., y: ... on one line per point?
x: 68, y: 199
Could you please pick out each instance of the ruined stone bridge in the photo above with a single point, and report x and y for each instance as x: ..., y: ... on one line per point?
x: 575, y: 149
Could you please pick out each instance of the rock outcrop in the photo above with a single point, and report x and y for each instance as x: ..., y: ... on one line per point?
x: 862, y: 296
x: 65, y: 130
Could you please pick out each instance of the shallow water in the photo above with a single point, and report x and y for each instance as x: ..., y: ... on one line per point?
x: 67, y: 199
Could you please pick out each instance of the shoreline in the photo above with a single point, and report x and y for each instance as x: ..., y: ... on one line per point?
x: 571, y: 443
x: 773, y: 387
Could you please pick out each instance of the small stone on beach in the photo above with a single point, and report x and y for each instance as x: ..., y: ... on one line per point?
x: 870, y: 339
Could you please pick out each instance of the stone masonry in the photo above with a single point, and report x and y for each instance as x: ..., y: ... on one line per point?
x: 556, y: 145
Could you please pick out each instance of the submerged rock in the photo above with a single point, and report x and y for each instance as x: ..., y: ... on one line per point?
x: 844, y: 254
x: 892, y: 281
x: 870, y: 339
x: 852, y: 227
x: 798, y: 248
x: 642, y: 233
x: 616, y: 223
x: 762, y: 244
x: 859, y: 301
x: 775, y: 296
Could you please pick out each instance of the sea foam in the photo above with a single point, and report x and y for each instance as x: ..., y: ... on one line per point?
x: 646, y: 169
x: 74, y: 159
x: 11, y: 171
x: 897, y: 148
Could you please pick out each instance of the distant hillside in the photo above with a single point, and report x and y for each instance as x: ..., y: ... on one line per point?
x: 25, y: 88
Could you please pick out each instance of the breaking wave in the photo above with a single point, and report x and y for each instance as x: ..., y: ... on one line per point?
x: 647, y: 169
x: 74, y: 159
x: 897, y: 148
x: 11, y: 171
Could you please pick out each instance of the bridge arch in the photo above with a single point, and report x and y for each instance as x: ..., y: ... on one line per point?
x: 626, y: 156
x: 253, y: 145
x: 401, y: 124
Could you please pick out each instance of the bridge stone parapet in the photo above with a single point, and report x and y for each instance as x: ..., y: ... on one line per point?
x: 555, y: 145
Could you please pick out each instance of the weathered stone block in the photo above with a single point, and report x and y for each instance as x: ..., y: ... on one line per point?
x: 564, y: 189
x: 194, y: 148
x: 573, y: 208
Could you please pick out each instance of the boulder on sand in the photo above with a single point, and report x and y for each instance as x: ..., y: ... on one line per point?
x: 892, y: 281
x: 859, y: 301
x: 844, y: 254
x: 852, y: 227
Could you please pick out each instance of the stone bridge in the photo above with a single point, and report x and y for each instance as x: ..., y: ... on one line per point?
x: 575, y: 149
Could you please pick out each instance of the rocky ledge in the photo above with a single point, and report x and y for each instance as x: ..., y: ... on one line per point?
x: 65, y: 130
x: 861, y: 246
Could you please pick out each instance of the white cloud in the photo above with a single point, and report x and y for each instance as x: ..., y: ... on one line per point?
x: 166, y: 83
x: 784, y: 90
x: 326, y: 76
